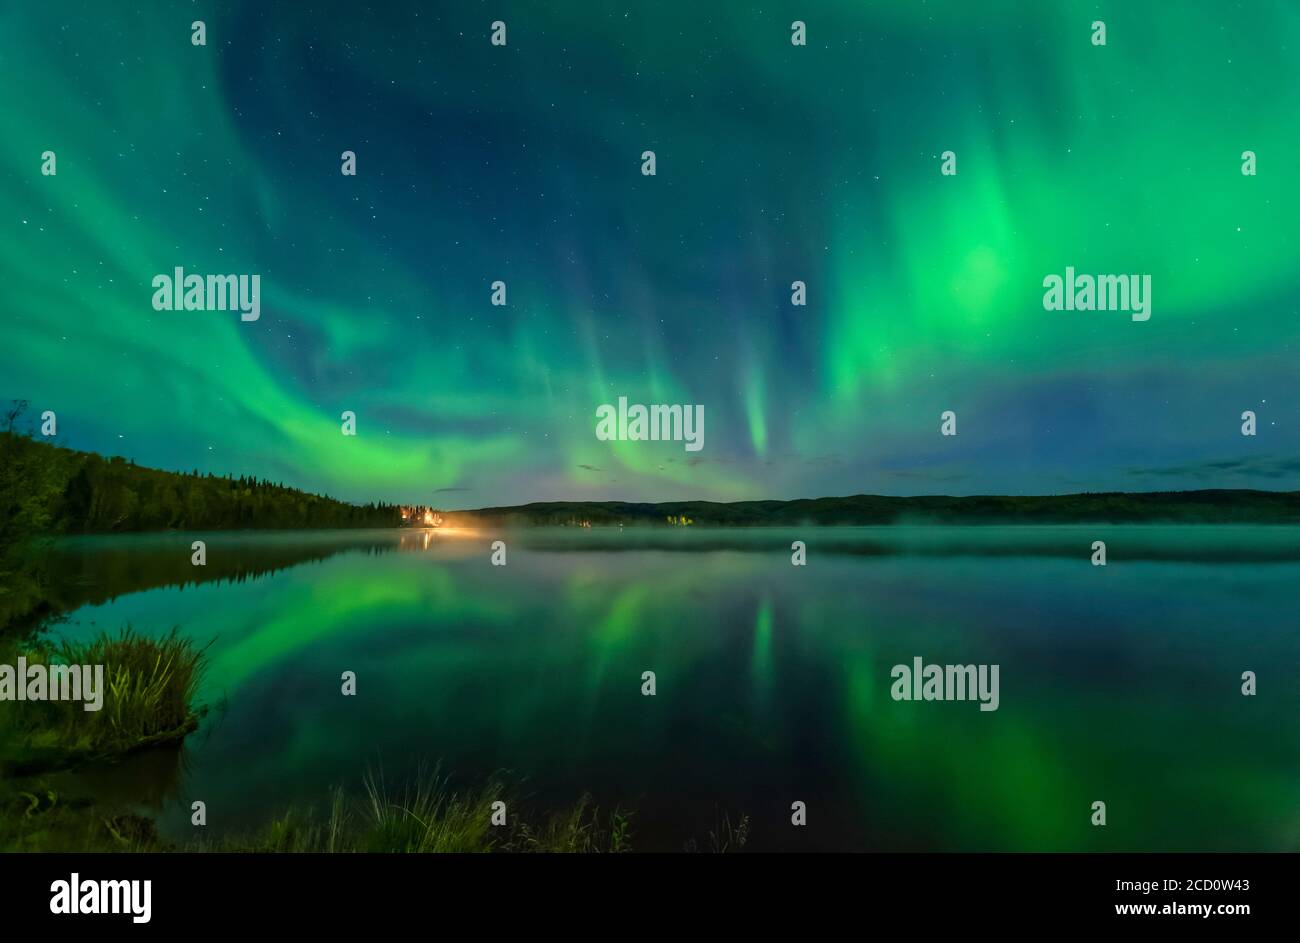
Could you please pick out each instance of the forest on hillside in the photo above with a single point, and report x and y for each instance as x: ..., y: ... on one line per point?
x: 46, y: 489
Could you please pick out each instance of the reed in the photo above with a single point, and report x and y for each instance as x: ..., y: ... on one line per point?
x: 150, y: 686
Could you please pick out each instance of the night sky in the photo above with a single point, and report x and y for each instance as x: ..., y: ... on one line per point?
x: 775, y: 163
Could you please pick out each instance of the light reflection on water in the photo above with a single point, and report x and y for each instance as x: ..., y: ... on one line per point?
x: 1119, y: 683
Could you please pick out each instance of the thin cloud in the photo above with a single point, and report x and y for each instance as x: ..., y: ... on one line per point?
x: 1254, y: 467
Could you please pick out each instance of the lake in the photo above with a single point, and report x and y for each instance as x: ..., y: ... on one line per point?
x: 1120, y: 684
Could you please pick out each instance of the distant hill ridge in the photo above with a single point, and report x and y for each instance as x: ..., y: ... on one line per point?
x: 1217, y: 506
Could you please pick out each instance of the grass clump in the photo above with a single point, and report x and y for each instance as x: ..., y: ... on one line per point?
x: 148, y: 688
x: 578, y: 829
x: 428, y: 817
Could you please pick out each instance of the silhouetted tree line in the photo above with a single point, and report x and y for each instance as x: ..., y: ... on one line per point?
x: 1222, y: 506
x: 46, y: 489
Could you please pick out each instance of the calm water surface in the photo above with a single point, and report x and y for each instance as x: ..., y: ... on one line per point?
x: 1119, y: 684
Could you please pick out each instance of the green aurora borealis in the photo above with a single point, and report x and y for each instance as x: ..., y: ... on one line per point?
x: 775, y: 163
